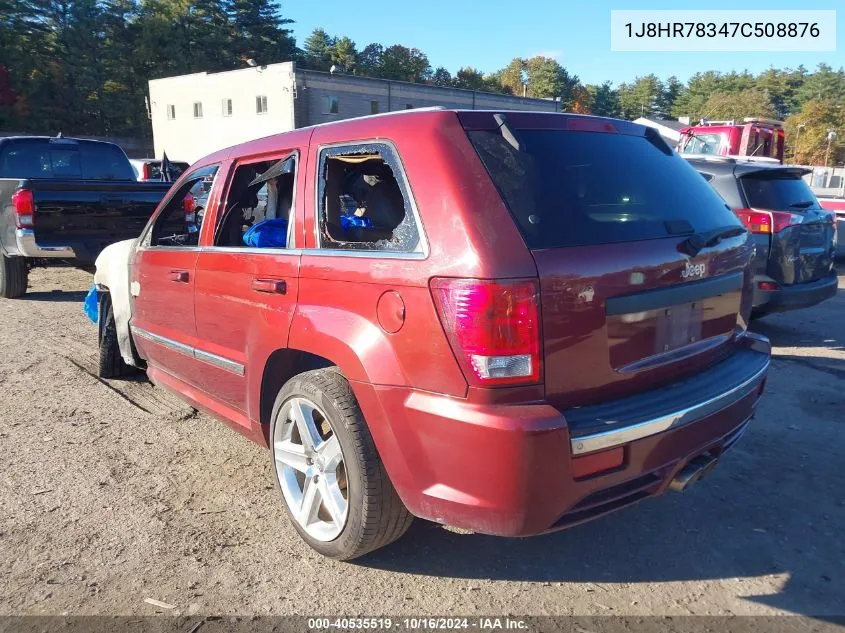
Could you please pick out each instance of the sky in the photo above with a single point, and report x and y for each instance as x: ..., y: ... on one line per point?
x: 487, y: 34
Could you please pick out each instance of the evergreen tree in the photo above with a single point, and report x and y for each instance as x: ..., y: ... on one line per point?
x: 441, y: 77
x: 259, y: 31
x: 343, y: 54
x: 318, y: 50
x: 641, y: 98
x: 605, y: 100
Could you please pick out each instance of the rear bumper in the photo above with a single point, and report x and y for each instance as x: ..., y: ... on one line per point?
x: 795, y: 296
x: 508, y: 469
x: 27, y: 247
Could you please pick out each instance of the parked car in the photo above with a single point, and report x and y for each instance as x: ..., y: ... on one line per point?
x: 147, y: 169
x: 65, y: 199
x: 794, y: 236
x: 837, y: 205
x: 509, y: 323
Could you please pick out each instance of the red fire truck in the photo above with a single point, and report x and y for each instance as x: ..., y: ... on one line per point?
x: 762, y: 138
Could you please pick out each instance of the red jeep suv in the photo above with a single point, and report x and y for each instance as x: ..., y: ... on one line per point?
x: 504, y: 322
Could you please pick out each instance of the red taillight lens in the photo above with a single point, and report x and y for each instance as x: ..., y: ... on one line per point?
x: 784, y: 219
x: 493, y: 328
x: 755, y: 221
x: 768, y: 221
x: 145, y: 172
x: 190, y: 204
x: 24, y: 205
x: 768, y: 286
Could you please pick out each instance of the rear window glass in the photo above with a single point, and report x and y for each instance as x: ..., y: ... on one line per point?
x: 104, y: 162
x: 68, y: 159
x: 778, y: 192
x: 568, y: 188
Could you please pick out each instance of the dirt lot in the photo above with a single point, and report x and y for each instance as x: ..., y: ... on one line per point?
x: 111, y: 493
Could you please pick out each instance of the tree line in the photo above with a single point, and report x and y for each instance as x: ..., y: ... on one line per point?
x: 82, y: 66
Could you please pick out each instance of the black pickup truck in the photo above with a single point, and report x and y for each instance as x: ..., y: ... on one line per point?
x: 64, y: 199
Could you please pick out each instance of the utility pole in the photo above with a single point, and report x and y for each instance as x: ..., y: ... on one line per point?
x: 797, y: 134
x: 831, y: 134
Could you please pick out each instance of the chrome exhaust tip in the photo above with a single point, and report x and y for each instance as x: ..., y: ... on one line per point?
x: 692, y: 472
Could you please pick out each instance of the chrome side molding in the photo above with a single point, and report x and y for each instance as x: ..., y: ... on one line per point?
x: 204, y: 357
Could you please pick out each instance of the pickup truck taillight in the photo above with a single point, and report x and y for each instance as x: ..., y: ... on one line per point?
x: 493, y: 328
x: 190, y: 205
x: 24, y: 206
x: 767, y: 221
x: 145, y: 171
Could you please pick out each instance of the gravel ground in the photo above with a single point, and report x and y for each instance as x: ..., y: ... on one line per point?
x: 113, y: 492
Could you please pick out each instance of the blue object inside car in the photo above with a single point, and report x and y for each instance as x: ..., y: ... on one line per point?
x: 353, y: 221
x: 268, y: 233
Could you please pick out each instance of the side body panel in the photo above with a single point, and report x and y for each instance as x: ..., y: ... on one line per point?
x: 163, y: 324
x: 245, y: 300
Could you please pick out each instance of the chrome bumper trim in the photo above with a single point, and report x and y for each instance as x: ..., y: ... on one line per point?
x: 617, y: 437
x: 204, y: 357
x: 25, y: 240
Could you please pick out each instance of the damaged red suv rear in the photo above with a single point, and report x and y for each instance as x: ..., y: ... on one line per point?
x: 505, y: 322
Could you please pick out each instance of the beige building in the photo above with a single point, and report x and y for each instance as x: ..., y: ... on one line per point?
x: 194, y: 115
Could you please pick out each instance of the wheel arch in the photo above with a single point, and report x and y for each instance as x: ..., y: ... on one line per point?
x: 280, y: 366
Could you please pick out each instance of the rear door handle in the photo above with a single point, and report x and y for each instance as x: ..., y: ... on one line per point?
x: 272, y: 286
x: 180, y: 276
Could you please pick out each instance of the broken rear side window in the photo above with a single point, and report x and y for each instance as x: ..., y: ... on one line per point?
x: 363, y: 204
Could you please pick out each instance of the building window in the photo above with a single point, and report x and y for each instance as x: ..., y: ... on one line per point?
x: 331, y: 105
x: 171, y: 112
x: 227, y: 107
x: 409, y: 106
x: 197, y: 110
x: 261, y: 105
x: 374, y: 107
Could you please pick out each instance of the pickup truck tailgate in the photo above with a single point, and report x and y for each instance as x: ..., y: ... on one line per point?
x: 89, y: 215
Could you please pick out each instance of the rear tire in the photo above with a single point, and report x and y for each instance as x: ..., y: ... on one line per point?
x: 111, y: 363
x: 372, y: 513
x: 14, y: 275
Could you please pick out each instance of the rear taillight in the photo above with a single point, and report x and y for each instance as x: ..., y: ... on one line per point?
x: 768, y: 221
x: 24, y: 206
x: 145, y: 172
x: 190, y: 205
x: 784, y: 219
x: 493, y: 328
x: 768, y: 286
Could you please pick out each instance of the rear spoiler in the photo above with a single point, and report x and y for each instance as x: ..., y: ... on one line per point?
x: 775, y: 172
